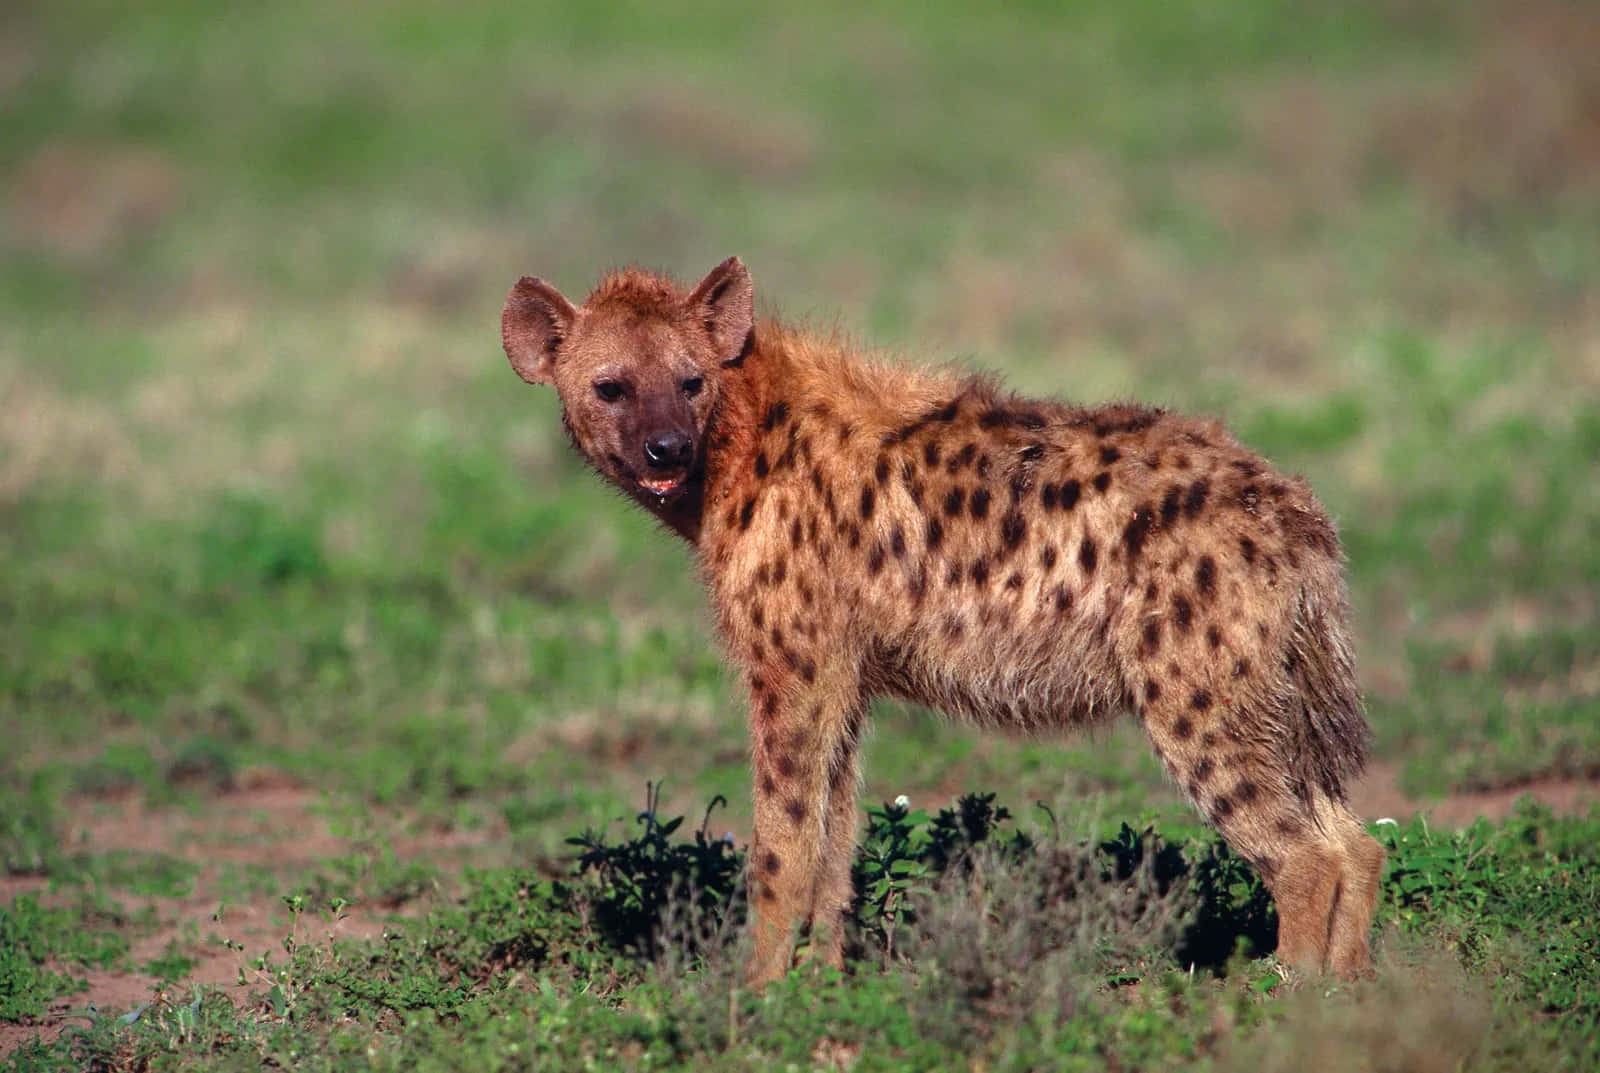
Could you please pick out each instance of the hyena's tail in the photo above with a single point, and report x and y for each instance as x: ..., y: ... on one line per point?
x: 1333, y: 732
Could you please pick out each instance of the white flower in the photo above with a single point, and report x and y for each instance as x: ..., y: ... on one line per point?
x: 902, y: 801
x: 1388, y: 820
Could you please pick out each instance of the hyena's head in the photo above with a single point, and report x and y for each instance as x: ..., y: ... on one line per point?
x: 638, y: 366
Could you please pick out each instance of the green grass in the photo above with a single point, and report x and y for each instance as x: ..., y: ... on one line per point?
x: 974, y: 942
x: 282, y: 532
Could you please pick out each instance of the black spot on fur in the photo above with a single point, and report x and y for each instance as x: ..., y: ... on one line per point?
x: 1013, y: 529
x: 1221, y: 808
x: 881, y: 470
x: 1032, y: 453
x: 961, y: 458
x: 1213, y: 637
x: 980, y: 571
x: 1151, y: 642
x: 796, y: 809
x: 762, y: 468
x: 935, y: 533
x: 1245, y: 792
x: 869, y: 502
x: 777, y: 413
x: 897, y: 542
x: 953, y: 501
x: 1170, y: 505
x: 1241, y: 668
x: 996, y: 417
x: 1247, y: 548
x: 1182, y: 729
x: 979, y: 506
x: 1250, y: 498
x: 1109, y: 455
x: 770, y: 863
x: 1205, y: 577
x: 1047, y: 556
x: 1069, y: 494
x: 993, y: 418
x: 1048, y: 495
x: 747, y: 512
x: 875, y: 558
x: 1183, y: 613
x: 1102, y: 480
x: 1201, y: 701
x: 1137, y: 529
x: 1063, y: 596
x: 853, y: 535
x: 1195, y: 501
x: 930, y: 454
x: 1152, y: 691
x: 1014, y: 582
x: 1204, y: 769
x: 1088, y: 555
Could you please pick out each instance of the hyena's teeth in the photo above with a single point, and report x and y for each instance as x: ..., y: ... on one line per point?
x: 661, y: 487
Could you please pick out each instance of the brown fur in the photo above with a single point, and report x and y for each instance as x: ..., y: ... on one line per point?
x: 868, y: 529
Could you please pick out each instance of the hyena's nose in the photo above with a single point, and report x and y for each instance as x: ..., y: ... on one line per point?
x: 669, y: 450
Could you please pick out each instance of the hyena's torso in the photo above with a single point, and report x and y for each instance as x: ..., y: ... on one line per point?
x: 872, y: 530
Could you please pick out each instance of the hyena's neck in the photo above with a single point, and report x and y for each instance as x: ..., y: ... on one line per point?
x: 748, y: 392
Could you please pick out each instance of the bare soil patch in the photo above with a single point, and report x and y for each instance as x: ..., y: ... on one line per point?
x: 1379, y: 795
x: 270, y: 821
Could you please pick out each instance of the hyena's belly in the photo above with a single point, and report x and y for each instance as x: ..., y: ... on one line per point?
x: 994, y: 671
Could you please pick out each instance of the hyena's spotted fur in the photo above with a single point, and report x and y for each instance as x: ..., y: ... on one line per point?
x: 868, y: 529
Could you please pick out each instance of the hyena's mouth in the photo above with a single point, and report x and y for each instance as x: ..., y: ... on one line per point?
x: 663, y: 488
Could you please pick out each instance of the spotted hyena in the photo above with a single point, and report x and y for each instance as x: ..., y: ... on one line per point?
x: 868, y: 529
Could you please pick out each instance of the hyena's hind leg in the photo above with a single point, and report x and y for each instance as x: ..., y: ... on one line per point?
x: 1323, y: 871
x: 1322, y: 868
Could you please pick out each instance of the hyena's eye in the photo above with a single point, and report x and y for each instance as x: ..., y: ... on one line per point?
x: 609, y: 390
x: 692, y: 386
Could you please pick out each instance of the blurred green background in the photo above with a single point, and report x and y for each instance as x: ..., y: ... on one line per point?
x: 274, y: 507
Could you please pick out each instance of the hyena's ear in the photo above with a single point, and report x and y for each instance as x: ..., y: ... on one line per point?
x: 535, y: 320
x: 725, y: 303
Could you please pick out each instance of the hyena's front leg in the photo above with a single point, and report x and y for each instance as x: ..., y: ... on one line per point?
x: 835, y: 892
x: 803, y: 745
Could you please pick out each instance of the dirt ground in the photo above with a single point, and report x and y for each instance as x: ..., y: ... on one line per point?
x: 270, y: 821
